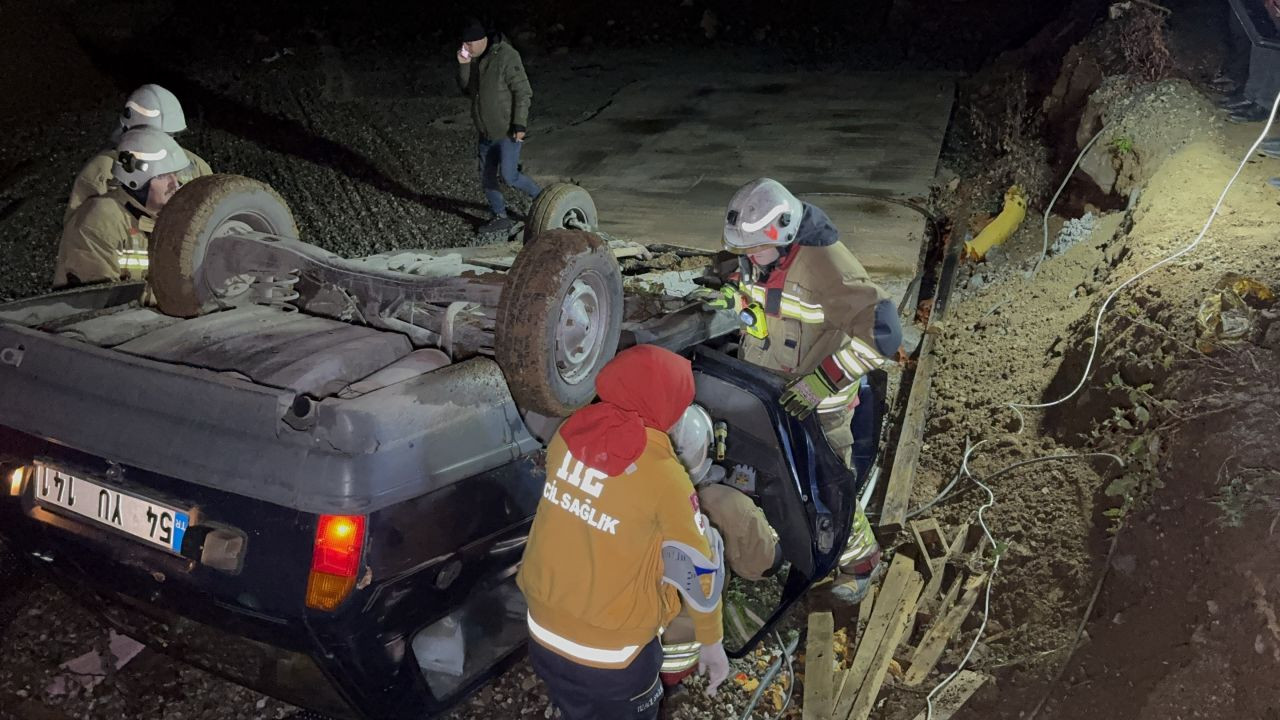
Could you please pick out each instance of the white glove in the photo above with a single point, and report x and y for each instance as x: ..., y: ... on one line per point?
x: 714, y: 663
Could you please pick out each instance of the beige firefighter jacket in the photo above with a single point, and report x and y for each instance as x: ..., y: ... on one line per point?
x: 95, y: 178
x: 820, y: 306
x: 104, y: 240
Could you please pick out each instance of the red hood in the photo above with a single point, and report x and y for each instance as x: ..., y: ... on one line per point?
x: 643, y: 386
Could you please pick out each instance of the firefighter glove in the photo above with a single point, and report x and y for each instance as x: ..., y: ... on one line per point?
x: 714, y: 663
x: 805, y: 392
x: 713, y: 298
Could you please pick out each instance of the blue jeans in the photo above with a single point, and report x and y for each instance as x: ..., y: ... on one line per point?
x: 502, y: 156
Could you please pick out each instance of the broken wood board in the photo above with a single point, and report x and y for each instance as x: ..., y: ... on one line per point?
x: 864, y: 614
x: 955, y: 695
x: 939, y: 634
x: 892, y: 613
x: 930, y: 603
x: 819, y: 667
x: 902, y: 475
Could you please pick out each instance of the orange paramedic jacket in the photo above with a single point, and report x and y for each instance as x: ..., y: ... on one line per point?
x: 592, y: 572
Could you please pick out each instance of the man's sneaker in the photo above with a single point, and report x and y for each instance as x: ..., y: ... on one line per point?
x: 497, y: 225
x: 1270, y: 147
x: 851, y: 589
x: 1274, y: 182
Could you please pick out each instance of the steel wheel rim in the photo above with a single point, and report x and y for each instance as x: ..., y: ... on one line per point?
x: 580, y: 327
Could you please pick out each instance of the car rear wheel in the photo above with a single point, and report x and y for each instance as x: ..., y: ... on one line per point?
x: 559, y: 207
x: 205, y: 208
x: 559, y: 320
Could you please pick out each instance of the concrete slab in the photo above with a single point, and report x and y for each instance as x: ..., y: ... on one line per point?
x: 664, y: 156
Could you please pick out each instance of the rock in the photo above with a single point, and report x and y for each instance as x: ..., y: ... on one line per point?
x: 1097, y: 164
x: 997, y: 256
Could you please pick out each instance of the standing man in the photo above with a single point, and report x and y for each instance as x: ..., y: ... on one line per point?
x: 105, y: 239
x: 491, y: 73
x: 819, y: 321
x: 150, y: 106
x: 617, y: 541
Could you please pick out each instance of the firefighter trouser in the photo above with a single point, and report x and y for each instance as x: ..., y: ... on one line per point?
x: 587, y: 693
x: 862, y: 553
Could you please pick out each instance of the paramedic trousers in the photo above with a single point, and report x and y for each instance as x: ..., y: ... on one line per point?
x: 587, y: 693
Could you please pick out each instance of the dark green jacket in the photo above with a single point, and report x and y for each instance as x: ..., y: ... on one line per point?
x: 499, y: 90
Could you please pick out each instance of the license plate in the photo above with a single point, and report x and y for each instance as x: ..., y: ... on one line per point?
x: 147, y: 520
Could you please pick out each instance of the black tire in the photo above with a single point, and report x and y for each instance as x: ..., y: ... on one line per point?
x: 555, y: 205
x: 188, y: 221
x: 567, y: 271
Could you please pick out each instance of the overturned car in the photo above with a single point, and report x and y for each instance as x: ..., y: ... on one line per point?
x: 315, y: 476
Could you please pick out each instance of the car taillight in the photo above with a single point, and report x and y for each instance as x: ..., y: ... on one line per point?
x: 335, y: 562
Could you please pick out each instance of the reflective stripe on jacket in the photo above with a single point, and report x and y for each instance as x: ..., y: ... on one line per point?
x: 820, y: 306
x: 105, y: 240
x: 592, y: 571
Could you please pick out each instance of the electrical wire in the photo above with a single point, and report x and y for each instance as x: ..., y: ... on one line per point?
x: 1097, y: 325
x: 1044, y: 252
x: 791, y: 675
x: 767, y: 678
x: 1097, y: 331
x: 1044, y: 458
x: 986, y: 612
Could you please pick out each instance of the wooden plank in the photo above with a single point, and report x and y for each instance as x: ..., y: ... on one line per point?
x: 902, y: 582
x: 864, y: 613
x: 936, y: 637
x: 929, y: 601
x: 899, y: 622
x: 902, y: 475
x: 819, y: 667
x: 955, y: 695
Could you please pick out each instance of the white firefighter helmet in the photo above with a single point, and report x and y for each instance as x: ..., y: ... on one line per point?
x: 691, y: 438
x: 144, y: 154
x: 762, y: 213
x: 152, y: 106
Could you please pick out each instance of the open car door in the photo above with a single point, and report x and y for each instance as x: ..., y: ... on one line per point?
x: 806, y: 492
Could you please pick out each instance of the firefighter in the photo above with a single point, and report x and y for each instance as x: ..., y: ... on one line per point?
x: 617, y: 542
x: 811, y: 314
x: 106, y: 238
x: 751, y: 547
x: 150, y: 106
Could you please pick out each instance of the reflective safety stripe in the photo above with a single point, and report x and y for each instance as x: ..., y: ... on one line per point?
x: 142, y: 110
x: 839, y: 401
x: 677, y: 657
x: 768, y: 218
x: 132, y: 259
x: 792, y: 306
x: 584, y: 652
x: 857, y: 358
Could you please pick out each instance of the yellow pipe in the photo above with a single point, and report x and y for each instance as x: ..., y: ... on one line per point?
x: 1002, y: 227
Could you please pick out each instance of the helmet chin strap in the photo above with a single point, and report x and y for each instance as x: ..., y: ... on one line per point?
x: 140, y: 194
